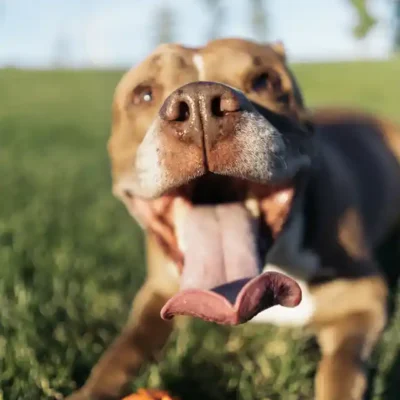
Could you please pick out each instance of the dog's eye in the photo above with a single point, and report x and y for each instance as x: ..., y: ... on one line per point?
x: 142, y: 94
x: 266, y: 81
x: 260, y: 82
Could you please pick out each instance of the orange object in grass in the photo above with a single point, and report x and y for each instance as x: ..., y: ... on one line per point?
x: 150, y: 394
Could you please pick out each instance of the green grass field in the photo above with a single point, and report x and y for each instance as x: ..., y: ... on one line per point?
x: 71, y: 259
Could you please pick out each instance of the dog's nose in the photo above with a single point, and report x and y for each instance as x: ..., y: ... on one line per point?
x: 202, y: 112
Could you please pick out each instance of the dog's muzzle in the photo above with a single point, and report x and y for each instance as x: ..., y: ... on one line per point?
x: 206, y: 145
x: 207, y: 128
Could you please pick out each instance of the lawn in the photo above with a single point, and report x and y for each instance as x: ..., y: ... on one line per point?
x: 71, y: 259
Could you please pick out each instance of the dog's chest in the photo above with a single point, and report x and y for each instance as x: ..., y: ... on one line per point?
x: 297, y: 316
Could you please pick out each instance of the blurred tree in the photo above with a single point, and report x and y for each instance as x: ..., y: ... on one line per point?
x: 217, y: 19
x: 164, y: 25
x: 365, y: 20
x: 259, y: 19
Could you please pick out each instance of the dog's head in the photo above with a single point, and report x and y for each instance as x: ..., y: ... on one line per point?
x: 207, y: 147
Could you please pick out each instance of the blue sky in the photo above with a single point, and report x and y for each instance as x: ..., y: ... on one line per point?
x: 106, y: 33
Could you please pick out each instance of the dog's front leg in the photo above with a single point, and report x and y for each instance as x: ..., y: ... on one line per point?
x: 348, y: 339
x: 142, y: 338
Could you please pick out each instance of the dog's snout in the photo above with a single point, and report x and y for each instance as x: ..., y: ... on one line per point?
x: 202, y: 112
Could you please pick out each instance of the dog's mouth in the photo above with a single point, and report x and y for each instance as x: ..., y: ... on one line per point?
x: 220, y: 230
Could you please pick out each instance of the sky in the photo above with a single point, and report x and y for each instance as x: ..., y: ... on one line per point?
x: 109, y: 33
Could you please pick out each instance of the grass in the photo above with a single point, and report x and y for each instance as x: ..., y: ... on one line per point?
x: 71, y: 259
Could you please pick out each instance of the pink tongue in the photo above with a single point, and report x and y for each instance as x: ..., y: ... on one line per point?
x: 219, y: 246
x: 220, y: 262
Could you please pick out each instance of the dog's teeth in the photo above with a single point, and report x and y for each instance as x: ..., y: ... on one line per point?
x: 252, y: 206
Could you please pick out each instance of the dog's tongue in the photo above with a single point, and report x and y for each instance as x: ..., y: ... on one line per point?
x: 219, y: 281
x: 219, y: 246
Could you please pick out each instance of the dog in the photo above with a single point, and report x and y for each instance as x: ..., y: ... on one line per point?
x: 249, y: 200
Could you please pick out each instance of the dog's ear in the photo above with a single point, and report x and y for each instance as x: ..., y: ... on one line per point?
x: 279, y: 49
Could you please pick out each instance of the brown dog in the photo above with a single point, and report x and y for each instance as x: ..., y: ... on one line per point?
x: 214, y: 154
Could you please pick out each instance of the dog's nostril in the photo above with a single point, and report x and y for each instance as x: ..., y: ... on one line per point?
x: 175, y: 110
x: 183, y: 112
x: 216, y: 109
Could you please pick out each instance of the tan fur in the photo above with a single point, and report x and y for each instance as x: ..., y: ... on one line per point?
x: 349, y: 305
x: 346, y: 345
